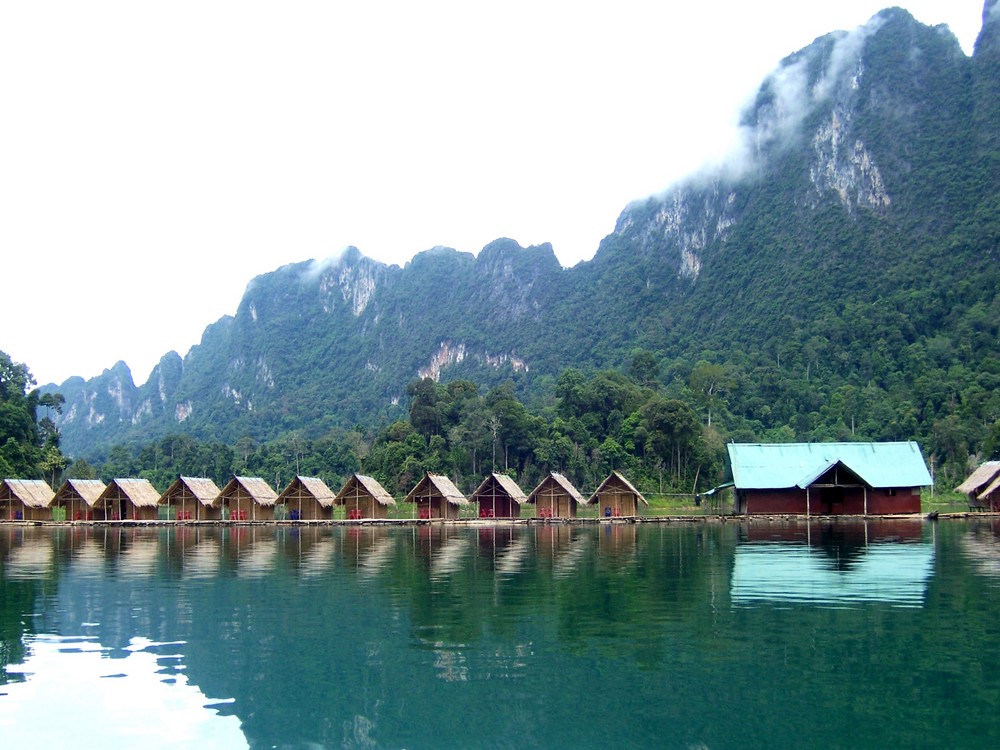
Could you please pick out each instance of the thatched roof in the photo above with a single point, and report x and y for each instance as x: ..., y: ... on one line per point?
x: 507, y: 484
x: 991, y: 487
x: 436, y: 485
x: 259, y: 490
x: 139, y: 492
x: 370, y: 485
x: 203, y: 489
x: 308, y: 487
x: 985, y: 474
x: 616, y: 481
x: 86, y: 489
x: 33, y: 493
x: 561, y: 483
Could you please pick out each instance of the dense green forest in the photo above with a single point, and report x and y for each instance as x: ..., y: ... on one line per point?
x: 664, y: 423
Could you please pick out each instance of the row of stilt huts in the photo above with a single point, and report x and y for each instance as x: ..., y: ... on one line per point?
x: 305, y: 499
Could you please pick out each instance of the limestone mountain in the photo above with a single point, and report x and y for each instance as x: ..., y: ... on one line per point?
x: 851, y: 242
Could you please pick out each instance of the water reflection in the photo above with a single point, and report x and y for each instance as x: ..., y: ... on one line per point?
x: 140, y: 699
x: 438, y: 636
x: 981, y: 545
x: 834, y: 564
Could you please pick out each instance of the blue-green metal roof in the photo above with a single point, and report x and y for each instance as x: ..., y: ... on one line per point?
x: 783, y: 465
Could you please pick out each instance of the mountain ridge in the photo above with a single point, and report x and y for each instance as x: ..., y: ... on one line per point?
x: 853, y: 177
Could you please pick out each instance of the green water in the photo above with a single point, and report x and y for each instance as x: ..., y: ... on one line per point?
x: 674, y: 636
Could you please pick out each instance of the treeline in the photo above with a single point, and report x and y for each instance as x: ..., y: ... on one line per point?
x: 29, y: 440
x: 664, y: 423
x: 597, y: 423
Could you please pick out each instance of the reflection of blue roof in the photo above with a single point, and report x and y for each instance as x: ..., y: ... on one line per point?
x: 888, y: 572
x: 782, y: 465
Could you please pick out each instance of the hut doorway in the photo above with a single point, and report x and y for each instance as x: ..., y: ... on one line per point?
x: 831, y: 500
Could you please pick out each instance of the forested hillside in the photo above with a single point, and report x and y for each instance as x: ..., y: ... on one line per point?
x: 837, y: 279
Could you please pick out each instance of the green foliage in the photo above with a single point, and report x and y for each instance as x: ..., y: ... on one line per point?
x: 29, y: 446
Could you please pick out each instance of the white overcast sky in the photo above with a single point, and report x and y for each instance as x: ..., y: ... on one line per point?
x: 156, y: 156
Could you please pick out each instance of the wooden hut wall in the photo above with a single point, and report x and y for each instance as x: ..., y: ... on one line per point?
x: 830, y: 501
x: 553, y: 502
x: 617, y: 502
x: 183, y: 505
x: 77, y: 509
x: 243, y: 507
x: 496, y: 503
x: 364, y: 506
x: 303, y: 506
x: 32, y: 513
x: 14, y: 509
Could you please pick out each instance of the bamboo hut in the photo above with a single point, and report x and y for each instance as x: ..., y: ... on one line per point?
x: 555, y: 497
x: 617, y: 498
x: 307, y: 499
x: 192, y: 499
x: 989, y: 498
x: 364, y: 497
x: 127, y: 499
x: 435, y: 496
x: 74, y: 500
x: 25, y: 500
x: 980, y: 484
x: 499, y: 497
x: 247, y: 499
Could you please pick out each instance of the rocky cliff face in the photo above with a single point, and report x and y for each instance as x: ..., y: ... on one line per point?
x: 860, y: 150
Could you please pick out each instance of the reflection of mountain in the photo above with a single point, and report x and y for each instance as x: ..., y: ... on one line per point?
x: 832, y: 565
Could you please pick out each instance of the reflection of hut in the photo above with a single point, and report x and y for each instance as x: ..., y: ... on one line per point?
x: 132, y: 499
x: 828, y: 478
x: 499, y: 497
x: 307, y: 499
x: 616, y: 497
x: 436, y: 497
x: 364, y: 497
x: 203, y: 559
x: 192, y: 499
x: 368, y: 549
x: 247, y: 499
x: 75, y: 500
x: 25, y: 500
x: 555, y: 497
x: 140, y: 557
x: 31, y: 558
x: 983, y: 487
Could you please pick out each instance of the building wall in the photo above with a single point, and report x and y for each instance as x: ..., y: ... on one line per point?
x: 554, y: 506
x: 364, y: 507
x: 617, y: 504
x: 850, y: 501
x: 903, y: 500
x: 308, y: 509
x: 501, y: 506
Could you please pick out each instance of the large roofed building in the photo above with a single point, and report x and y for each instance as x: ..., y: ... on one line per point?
x: 828, y: 478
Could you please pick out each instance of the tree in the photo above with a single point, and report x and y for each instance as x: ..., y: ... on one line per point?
x: 710, y: 383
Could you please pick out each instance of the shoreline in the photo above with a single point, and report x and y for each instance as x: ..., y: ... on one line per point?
x: 501, y: 522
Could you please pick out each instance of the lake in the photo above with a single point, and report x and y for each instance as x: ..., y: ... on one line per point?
x: 697, y: 636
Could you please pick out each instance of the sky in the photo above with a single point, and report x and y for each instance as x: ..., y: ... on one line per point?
x: 156, y: 156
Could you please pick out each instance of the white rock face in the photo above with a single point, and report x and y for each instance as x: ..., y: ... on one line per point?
x: 450, y: 353
x: 844, y: 167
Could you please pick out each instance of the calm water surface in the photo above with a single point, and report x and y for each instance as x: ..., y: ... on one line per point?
x: 699, y: 637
